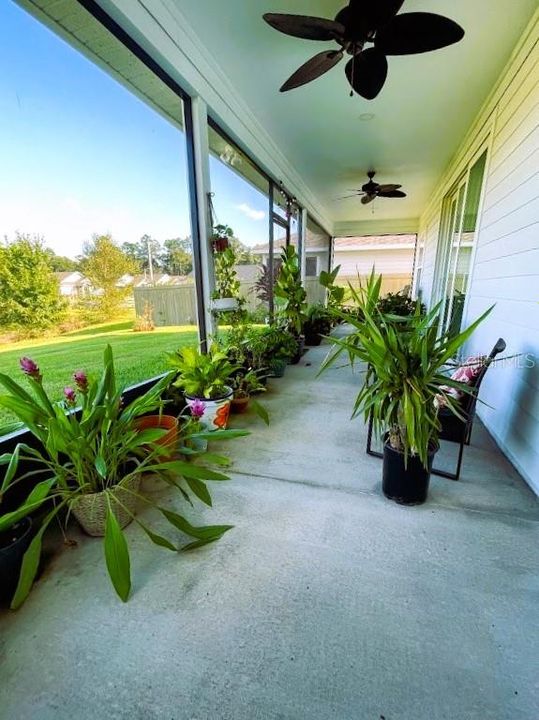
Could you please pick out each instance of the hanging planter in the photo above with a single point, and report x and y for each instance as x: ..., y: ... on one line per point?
x: 220, y: 238
x: 219, y: 244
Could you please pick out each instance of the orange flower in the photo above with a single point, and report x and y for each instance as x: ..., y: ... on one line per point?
x: 221, y: 416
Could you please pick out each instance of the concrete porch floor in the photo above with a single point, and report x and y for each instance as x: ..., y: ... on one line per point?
x: 326, y: 600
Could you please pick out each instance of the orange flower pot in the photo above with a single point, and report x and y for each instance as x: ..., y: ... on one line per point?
x: 169, y: 441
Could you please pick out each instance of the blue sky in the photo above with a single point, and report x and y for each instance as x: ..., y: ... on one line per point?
x: 79, y: 154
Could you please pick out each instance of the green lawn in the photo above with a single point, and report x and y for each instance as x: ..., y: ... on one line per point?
x: 137, y: 355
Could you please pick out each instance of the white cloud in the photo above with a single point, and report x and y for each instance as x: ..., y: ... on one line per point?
x: 251, y: 212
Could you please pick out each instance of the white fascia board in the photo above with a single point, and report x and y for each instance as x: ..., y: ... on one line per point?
x: 378, y: 248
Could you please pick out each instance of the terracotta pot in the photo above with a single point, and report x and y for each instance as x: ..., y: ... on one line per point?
x: 91, y: 509
x: 239, y: 405
x: 169, y: 441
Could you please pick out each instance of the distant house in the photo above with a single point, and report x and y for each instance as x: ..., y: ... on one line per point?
x: 316, y: 258
x: 390, y: 255
x: 73, y: 284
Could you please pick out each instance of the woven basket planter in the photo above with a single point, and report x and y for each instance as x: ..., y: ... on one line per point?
x: 91, y: 510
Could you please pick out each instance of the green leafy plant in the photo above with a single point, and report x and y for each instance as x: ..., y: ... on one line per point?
x: 404, y: 380
x: 227, y: 284
x: 335, y: 292
x: 399, y: 303
x: 202, y: 375
x: 270, y: 343
x: 95, y: 448
x: 247, y: 384
x: 317, y: 320
x: 290, y: 293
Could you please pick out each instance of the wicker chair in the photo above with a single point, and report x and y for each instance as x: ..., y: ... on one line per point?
x: 454, y: 429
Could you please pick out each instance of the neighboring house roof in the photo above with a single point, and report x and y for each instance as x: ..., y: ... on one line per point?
x: 375, y: 242
x: 73, y: 278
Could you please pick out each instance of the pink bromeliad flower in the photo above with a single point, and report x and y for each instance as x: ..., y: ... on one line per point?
x: 197, y: 409
x: 30, y: 368
x: 81, y: 380
x: 70, y: 395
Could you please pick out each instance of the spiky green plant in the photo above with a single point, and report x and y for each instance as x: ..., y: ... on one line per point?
x: 404, y: 359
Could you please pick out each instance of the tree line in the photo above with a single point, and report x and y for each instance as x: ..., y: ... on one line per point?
x: 30, y: 298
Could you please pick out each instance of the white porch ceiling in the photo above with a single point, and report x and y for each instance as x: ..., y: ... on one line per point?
x: 420, y: 117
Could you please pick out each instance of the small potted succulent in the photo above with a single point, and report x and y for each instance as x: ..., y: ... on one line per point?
x: 205, y: 379
x: 89, y: 462
x: 317, y: 324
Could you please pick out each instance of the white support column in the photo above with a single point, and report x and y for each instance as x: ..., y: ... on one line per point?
x: 203, y: 188
x: 303, y: 245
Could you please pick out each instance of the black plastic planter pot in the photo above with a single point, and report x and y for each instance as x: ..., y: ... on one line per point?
x: 13, y: 544
x: 312, y: 339
x: 301, y: 347
x: 406, y: 485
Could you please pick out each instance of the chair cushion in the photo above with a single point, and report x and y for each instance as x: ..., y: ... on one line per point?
x: 467, y: 374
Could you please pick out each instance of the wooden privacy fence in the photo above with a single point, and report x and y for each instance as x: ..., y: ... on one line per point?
x: 171, y: 305
x: 176, y: 305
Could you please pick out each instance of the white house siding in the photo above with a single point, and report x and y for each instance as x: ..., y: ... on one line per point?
x: 398, y: 261
x: 505, y: 270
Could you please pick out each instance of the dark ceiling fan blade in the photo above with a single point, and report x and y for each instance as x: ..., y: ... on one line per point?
x: 305, y: 26
x: 366, y: 199
x: 346, y: 197
x: 392, y: 194
x: 374, y: 14
x: 312, y: 69
x: 388, y: 188
x: 367, y: 72
x: 417, y: 32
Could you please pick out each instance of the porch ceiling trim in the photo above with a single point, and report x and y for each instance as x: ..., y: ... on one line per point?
x: 377, y: 227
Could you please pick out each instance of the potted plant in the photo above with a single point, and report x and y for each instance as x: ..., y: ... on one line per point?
x: 168, y: 424
x: 245, y: 385
x: 14, y: 542
x: 403, y: 385
x: 291, y: 297
x: 335, y: 293
x: 205, y: 378
x: 317, y: 323
x: 226, y: 296
x: 220, y: 238
x: 271, y: 348
x: 89, y: 461
x: 399, y: 303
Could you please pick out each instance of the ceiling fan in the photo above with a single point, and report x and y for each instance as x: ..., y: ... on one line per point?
x: 372, y: 190
x: 360, y: 23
